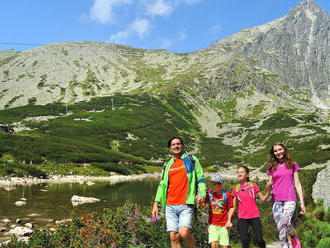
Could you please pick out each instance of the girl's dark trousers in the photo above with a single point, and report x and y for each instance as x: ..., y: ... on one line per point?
x: 257, y: 230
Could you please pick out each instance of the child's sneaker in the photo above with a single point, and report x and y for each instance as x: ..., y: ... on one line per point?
x: 295, y: 242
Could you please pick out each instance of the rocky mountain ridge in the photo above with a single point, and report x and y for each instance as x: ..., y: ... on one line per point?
x: 273, y: 58
x: 295, y: 47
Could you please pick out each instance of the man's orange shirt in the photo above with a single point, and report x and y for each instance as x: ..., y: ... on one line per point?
x: 178, y: 184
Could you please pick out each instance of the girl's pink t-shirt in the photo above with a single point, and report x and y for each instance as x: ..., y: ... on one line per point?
x: 283, y: 182
x: 247, y: 206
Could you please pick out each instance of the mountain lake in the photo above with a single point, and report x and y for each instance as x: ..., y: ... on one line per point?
x: 48, y: 202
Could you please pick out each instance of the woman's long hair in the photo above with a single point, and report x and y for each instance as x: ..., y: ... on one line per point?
x: 273, y: 161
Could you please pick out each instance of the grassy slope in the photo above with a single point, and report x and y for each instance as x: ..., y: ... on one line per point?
x: 135, y: 132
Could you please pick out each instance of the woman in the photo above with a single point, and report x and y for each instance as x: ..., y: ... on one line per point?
x: 245, y: 194
x: 176, y: 192
x: 283, y: 176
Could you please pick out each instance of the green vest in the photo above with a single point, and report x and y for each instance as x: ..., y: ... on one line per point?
x: 195, y: 177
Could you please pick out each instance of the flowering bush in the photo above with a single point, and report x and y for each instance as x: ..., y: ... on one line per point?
x: 124, y: 227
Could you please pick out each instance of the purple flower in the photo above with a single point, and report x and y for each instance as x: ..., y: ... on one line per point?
x: 113, y: 245
x: 153, y: 219
x: 134, y: 241
x: 137, y: 213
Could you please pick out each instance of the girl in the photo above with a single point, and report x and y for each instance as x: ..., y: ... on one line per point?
x: 245, y: 194
x: 283, y: 176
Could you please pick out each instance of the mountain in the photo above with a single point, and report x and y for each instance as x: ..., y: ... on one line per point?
x: 261, y: 85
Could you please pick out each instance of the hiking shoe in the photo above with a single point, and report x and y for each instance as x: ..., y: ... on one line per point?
x: 295, y: 243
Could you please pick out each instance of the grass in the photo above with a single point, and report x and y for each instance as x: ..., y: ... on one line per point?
x: 93, y: 132
x: 71, y: 139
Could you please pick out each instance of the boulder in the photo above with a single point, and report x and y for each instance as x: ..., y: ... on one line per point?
x: 57, y: 222
x: 321, y: 187
x: 20, y: 203
x: 28, y: 225
x: 6, y: 221
x: 20, y: 231
x: 77, y: 200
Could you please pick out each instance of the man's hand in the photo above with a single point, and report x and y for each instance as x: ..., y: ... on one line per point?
x: 154, y: 212
x: 199, y: 199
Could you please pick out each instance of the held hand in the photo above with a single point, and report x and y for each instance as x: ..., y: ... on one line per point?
x: 154, y: 212
x: 201, y: 205
x: 269, y: 186
x: 303, y: 210
x: 199, y: 199
x: 228, y: 224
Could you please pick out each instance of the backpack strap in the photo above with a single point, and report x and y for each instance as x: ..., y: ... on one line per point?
x: 253, y: 193
x: 250, y: 185
x: 210, y: 195
x: 237, y: 190
x: 224, y: 195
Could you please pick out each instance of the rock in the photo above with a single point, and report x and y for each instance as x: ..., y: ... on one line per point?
x: 20, y: 231
x: 6, y: 220
x: 33, y: 215
x: 29, y: 225
x: 77, y: 200
x: 23, y: 199
x: 3, y: 229
x: 20, y: 203
x: 90, y: 183
x: 57, y: 222
x: 321, y: 186
x: 12, y: 226
x: 18, y: 221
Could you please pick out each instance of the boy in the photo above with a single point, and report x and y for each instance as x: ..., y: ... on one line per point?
x: 221, y: 210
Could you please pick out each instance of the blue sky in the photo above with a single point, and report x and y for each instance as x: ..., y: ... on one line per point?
x: 175, y: 25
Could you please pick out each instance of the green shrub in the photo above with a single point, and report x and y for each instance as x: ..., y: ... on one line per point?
x: 324, y: 243
x: 327, y: 215
x: 319, y: 213
x: 316, y: 228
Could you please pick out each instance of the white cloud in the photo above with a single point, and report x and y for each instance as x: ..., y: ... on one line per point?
x: 158, y: 8
x: 164, y: 7
x: 139, y: 27
x: 102, y: 10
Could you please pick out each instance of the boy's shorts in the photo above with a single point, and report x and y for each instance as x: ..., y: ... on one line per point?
x: 179, y: 216
x: 219, y: 234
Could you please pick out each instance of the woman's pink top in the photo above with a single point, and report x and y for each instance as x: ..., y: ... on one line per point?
x: 247, y: 206
x: 283, y: 183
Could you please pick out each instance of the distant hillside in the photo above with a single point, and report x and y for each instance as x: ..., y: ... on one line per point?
x: 113, y: 107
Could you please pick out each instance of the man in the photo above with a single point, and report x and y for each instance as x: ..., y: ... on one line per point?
x: 181, y: 176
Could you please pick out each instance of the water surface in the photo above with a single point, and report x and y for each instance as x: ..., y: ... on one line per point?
x: 47, y: 202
